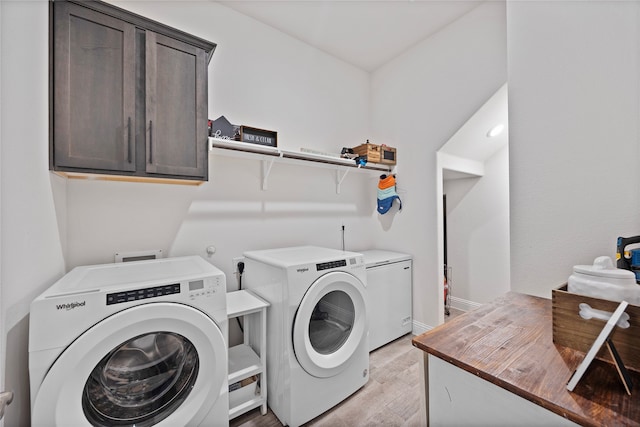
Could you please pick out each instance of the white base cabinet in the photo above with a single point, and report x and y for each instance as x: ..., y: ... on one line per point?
x: 457, y: 397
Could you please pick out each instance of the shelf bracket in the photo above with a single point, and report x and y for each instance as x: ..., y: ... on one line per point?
x: 339, y: 178
x: 266, y: 170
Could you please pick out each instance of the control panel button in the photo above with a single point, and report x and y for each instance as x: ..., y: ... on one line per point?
x: 331, y: 264
x: 140, y: 294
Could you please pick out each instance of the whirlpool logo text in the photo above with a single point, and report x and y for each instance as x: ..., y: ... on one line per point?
x: 70, y: 306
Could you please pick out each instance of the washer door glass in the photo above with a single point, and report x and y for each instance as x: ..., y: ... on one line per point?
x: 142, y: 381
x: 330, y: 325
x: 331, y: 322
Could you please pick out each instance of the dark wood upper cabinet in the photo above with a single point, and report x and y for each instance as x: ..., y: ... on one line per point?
x: 129, y: 95
x: 94, y: 90
x: 176, y: 106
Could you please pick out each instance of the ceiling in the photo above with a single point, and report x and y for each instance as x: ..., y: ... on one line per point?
x: 364, y: 33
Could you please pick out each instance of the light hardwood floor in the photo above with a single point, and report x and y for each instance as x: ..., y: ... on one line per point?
x: 453, y: 313
x: 390, y: 398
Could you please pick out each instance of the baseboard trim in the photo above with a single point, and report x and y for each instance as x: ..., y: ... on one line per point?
x: 456, y: 303
x: 463, y: 304
x: 420, y: 328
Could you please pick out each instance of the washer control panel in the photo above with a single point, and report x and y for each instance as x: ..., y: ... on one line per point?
x: 205, y: 287
x: 331, y: 264
x: 138, y: 294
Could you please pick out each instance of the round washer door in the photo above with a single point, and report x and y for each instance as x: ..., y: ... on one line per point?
x: 330, y: 324
x: 152, y: 364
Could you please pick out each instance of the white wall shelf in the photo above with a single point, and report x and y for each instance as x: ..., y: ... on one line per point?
x: 245, y: 360
x: 270, y: 155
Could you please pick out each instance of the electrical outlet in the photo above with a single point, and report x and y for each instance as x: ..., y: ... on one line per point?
x: 236, y: 260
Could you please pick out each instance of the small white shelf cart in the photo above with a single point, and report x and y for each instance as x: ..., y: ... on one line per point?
x: 247, y: 360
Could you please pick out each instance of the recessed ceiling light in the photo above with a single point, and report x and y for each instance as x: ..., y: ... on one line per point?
x: 496, y: 130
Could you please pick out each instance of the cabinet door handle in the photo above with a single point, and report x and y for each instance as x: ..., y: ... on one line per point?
x: 129, y: 139
x: 150, y: 141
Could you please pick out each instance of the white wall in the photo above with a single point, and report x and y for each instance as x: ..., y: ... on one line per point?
x: 419, y: 101
x: 230, y: 212
x: 478, y: 232
x: 31, y: 251
x: 574, y: 147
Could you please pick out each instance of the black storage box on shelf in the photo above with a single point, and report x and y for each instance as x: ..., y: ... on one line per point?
x: 258, y: 136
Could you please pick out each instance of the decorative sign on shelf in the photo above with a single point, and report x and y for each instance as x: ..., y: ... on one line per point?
x: 223, y: 129
x: 258, y: 136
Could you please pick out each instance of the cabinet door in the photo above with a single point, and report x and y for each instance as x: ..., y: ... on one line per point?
x: 94, y: 93
x: 176, y: 107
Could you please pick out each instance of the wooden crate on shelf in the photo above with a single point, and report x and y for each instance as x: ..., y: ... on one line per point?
x: 369, y: 150
x: 387, y: 155
x: 571, y: 330
x: 376, y: 153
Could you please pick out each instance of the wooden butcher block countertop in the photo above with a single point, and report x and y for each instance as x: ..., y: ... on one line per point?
x: 509, y: 343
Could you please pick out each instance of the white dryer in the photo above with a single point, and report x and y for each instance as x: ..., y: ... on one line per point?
x: 139, y: 343
x: 317, y: 340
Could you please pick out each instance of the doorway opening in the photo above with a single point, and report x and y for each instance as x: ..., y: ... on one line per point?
x: 473, y: 219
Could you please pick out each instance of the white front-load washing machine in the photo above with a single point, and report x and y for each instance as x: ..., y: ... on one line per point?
x: 317, y: 327
x: 139, y: 343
